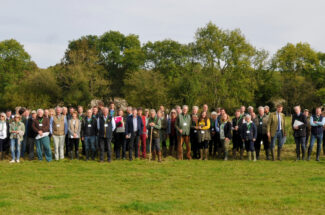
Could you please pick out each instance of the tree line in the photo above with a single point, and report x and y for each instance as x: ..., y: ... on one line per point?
x: 219, y: 68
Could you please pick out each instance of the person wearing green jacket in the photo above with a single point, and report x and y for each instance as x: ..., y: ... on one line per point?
x: 17, y: 131
x: 154, y: 126
x: 183, y: 125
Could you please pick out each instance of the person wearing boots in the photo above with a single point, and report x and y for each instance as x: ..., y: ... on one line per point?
x: 88, y: 134
x: 154, y: 126
x: 133, y: 130
x: 276, y: 130
x: 317, y: 122
x: 261, y: 123
x: 238, y: 145
x: 163, y: 130
x: 144, y: 134
x: 4, y: 133
x: 183, y: 124
x: 204, y: 135
x: 194, y: 132
x: 58, y: 128
x: 74, y: 134
x: 225, y: 134
x: 213, y: 143
x: 248, y: 133
x: 172, y: 133
x: 299, y: 124
x: 106, y: 126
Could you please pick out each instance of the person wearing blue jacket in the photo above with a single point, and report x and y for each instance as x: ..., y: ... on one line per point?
x: 317, y: 122
x: 133, y: 130
x: 249, y: 134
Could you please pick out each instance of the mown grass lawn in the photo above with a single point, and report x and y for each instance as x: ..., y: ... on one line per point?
x: 170, y: 187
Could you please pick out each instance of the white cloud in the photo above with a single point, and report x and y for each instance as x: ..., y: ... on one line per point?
x: 45, y: 27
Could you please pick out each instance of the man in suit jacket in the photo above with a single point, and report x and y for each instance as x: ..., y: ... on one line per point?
x: 133, y: 130
x: 276, y: 129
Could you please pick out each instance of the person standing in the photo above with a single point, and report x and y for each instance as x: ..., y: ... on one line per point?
x: 317, y: 122
x: 74, y: 129
x: 248, y: 133
x: 120, y: 135
x: 17, y: 130
x: 213, y: 143
x: 106, y: 126
x: 163, y: 129
x: 172, y: 133
x: 194, y: 132
x: 144, y: 134
x: 276, y: 130
x: 4, y: 133
x: 299, y: 131
x: 25, y: 116
x: 58, y: 129
x: 261, y: 123
x: 41, y: 125
x: 204, y: 135
x: 308, y: 128
x: 133, y: 130
x: 154, y: 126
x: 225, y: 134
x: 238, y: 145
x: 88, y: 134
x: 183, y: 124
x: 31, y: 135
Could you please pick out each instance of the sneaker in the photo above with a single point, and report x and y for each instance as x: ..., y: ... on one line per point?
x: 17, y: 161
x: 12, y: 161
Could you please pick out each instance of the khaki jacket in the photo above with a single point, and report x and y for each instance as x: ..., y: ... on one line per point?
x: 272, y: 124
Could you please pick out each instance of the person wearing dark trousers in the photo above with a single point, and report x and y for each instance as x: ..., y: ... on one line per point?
x: 88, y: 134
x: 261, y: 123
x: 171, y: 131
x: 248, y: 133
x: 133, y: 130
x: 153, y: 128
x: 308, y: 128
x: 74, y: 129
x: 81, y: 117
x: 299, y: 124
x: 120, y: 135
x: 106, y: 126
x: 213, y: 143
x: 225, y: 133
x: 323, y: 133
x: 238, y: 145
x: 144, y: 135
x: 4, y: 133
x: 194, y: 132
x: 317, y: 122
x: 31, y: 136
x: 204, y: 135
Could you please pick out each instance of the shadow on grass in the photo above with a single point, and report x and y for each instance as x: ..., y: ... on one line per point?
x: 4, y: 204
x: 145, y: 207
x: 59, y: 196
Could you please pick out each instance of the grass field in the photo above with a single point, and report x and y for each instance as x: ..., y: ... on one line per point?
x: 170, y: 187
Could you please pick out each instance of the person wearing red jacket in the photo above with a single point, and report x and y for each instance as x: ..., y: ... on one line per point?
x: 144, y: 135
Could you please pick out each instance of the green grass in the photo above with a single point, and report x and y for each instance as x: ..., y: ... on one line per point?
x: 170, y: 187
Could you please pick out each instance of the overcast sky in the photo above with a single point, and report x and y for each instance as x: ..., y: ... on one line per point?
x: 45, y: 27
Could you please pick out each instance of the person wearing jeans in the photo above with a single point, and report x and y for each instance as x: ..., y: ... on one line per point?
x: 88, y: 133
x: 16, y: 130
x: 276, y: 130
x: 317, y: 122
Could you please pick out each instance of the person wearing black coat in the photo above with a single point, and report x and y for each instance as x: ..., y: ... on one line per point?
x: 248, y: 133
x: 299, y: 131
x: 133, y: 130
x: 4, y: 134
x: 238, y: 144
x: 225, y: 134
x: 31, y: 134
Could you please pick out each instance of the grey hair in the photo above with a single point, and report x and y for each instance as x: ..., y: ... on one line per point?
x: 152, y: 111
x: 195, y: 107
x: 185, y: 106
x: 260, y: 108
x: 4, y: 115
x: 40, y: 110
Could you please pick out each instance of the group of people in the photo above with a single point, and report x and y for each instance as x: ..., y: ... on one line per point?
x: 145, y: 133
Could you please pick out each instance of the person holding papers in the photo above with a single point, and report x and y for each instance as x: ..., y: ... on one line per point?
x: 41, y: 125
x: 317, y: 122
x: 74, y: 128
x: 299, y: 124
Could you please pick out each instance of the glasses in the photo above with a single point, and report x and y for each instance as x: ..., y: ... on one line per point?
x: 2, y: 116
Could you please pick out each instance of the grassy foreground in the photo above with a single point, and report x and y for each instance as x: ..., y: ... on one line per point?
x: 171, y: 187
